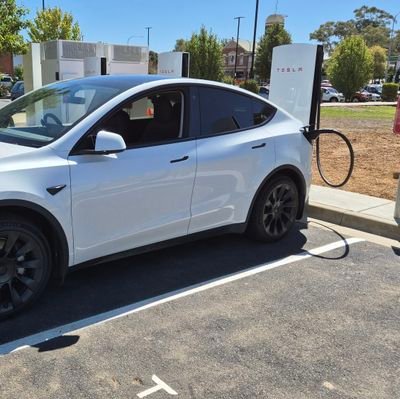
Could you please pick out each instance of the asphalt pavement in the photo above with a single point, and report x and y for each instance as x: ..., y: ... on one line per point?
x: 313, y: 316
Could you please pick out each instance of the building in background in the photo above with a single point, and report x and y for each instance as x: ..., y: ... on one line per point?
x: 6, y: 64
x: 244, y: 58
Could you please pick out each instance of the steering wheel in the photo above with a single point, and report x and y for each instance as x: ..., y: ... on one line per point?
x: 44, y: 121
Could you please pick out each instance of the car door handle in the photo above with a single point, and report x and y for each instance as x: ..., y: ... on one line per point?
x: 185, y: 158
x: 258, y: 146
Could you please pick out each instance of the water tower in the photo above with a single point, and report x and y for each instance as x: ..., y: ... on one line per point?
x: 275, y: 19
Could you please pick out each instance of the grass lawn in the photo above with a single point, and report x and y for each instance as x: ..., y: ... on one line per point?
x: 367, y: 112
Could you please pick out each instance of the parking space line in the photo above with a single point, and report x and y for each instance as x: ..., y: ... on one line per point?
x: 105, y: 317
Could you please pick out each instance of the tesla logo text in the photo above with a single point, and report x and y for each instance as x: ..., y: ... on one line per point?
x: 290, y: 69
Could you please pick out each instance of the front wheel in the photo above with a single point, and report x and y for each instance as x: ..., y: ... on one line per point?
x: 24, y: 264
x: 275, y: 210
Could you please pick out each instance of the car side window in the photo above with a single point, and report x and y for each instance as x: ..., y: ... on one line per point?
x: 155, y: 118
x: 152, y: 119
x: 262, y: 112
x: 225, y: 111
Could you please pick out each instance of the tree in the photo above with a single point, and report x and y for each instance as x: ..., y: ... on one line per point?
x: 376, y: 36
x: 369, y: 22
x: 54, y: 24
x: 180, y: 45
x: 275, y: 35
x: 350, y: 66
x: 379, y: 61
x: 153, y: 62
x: 19, y: 72
x: 205, y: 55
x: 12, y: 22
x: 371, y: 16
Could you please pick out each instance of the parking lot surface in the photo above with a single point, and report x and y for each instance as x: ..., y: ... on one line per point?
x: 219, y: 318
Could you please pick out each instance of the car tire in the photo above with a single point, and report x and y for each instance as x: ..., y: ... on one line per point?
x: 25, y: 264
x: 275, y: 210
x: 334, y: 100
x: 355, y: 100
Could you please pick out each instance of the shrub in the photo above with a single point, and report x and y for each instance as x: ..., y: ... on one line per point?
x: 389, y: 91
x: 19, y: 72
x: 228, y: 80
x: 3, y: 91
x: 250, y: 85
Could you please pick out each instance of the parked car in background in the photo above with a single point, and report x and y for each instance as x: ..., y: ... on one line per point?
x: 374, y: 89
x: 326, y: 83
x: 109, y: 166
x: 18, y: 90
x: 6, y: 81
x: 329, y: 94
x: 373, y: 96
x: 264, y: 92
x: 360, y: 97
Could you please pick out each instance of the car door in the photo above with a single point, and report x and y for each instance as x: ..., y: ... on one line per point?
x: 235, y: 152
x: 141, y: 195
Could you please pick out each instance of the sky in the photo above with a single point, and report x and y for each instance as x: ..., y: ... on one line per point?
x: 116, y: 21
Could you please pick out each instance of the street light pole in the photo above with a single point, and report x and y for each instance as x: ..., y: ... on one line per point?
x: 43, y: 5
x: 131, y: 37
x: 253, y: 53
x: 148, y: 36
x: 390, y: 46
x: 237, y: 43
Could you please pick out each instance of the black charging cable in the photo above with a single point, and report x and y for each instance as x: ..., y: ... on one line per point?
x: 313, y: 134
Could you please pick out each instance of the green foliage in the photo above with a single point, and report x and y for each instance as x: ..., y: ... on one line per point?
x: 180, y: 45
x: 372, y: 23
x: 54, y: 24
x: 275, y: 35
x: 250, y: 85
x: 389, y: 91
x: 379, y: 58
x: 19, y: 72
x: 153, y: 62
x: 350, y: 66
x: 4, y: 92
x: 205, y: 55
x: 11, y: 23
x: 228, y: 80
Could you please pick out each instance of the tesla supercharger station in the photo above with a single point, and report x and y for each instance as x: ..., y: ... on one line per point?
x: 174, y: 64
x: 296, y: 81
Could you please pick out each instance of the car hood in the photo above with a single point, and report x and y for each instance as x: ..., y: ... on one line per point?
x: 9, y: 150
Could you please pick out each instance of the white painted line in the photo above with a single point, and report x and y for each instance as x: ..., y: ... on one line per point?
x: 160, y: 385
x: 164, y: 298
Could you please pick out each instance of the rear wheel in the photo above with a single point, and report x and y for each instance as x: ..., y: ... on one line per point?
x: 24, y: 264
x: 275, y: 210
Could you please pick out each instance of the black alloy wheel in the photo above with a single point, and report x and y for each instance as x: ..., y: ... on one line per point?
x: 275, y: 210
x: 24, y: 265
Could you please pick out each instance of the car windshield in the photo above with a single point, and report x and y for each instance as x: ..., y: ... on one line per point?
x: 46, y: 114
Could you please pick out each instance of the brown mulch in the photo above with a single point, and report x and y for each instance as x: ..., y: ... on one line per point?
x: 377, y: 157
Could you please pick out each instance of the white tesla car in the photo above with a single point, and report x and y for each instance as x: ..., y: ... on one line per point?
x: 97, y: 168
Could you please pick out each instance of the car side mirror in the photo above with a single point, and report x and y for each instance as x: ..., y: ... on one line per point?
x: 108, y: 143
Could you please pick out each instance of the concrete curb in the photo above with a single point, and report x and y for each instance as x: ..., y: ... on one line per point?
x: 354, y: 220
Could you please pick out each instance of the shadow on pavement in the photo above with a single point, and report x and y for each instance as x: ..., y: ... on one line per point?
x: 112, y: 285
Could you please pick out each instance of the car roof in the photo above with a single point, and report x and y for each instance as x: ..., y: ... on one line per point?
x: 121, y: 81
